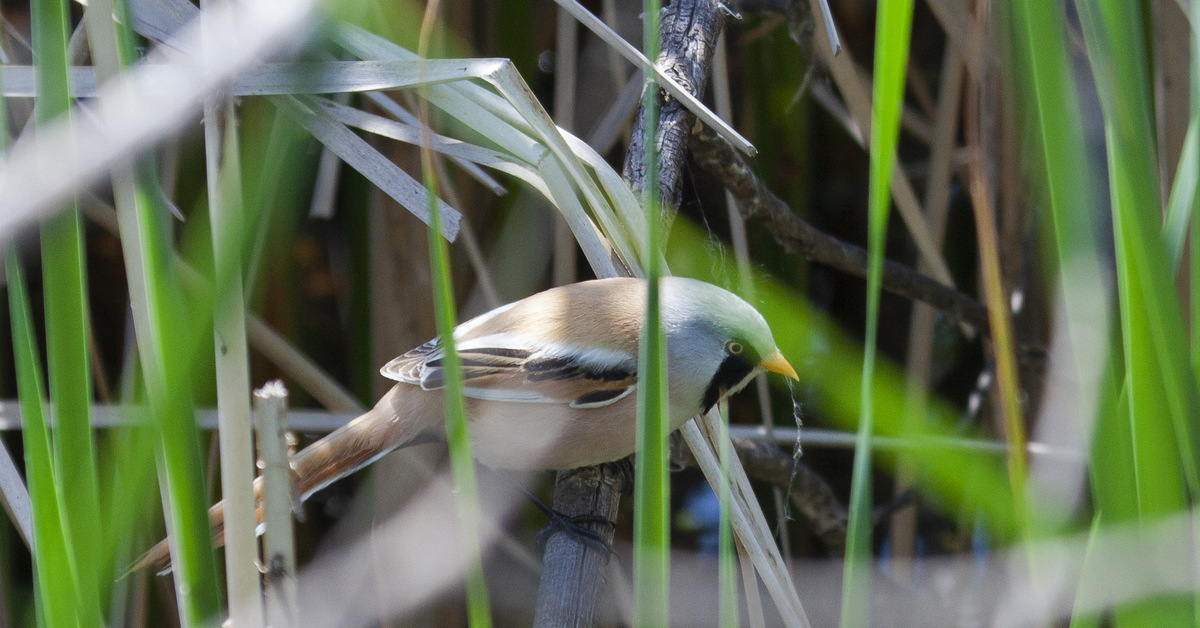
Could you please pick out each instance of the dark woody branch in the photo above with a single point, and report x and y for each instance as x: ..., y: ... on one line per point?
x: 812, y: 496
x: 574, y: 572
x: 573, y: 577
x: 689, y: 31
x: 796, y: 235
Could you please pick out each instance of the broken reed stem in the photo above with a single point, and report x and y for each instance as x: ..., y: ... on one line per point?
x: 279, y: 554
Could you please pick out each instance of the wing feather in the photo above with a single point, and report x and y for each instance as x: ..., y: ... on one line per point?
x: 497, y: 368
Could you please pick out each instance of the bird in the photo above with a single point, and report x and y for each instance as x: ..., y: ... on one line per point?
x: 549, y: 381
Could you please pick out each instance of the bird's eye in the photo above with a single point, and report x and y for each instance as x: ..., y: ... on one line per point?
x: 734, y: 347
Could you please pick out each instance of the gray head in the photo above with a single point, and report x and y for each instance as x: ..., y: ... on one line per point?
x: 724, y: 339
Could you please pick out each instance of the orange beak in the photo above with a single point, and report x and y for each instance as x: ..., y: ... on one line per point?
x: 777, y: 364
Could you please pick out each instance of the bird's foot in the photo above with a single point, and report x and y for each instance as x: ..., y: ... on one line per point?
x: 575, y: 527
x: 572, y: 525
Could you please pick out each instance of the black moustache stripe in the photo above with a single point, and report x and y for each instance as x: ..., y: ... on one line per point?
x: 732, y: 371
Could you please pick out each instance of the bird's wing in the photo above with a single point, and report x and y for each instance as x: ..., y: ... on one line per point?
x: 505, y: 367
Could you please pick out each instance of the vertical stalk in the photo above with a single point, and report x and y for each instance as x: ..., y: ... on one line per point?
x: 1052, y: 108
x: 224, y: 184
x: 993, y: 287
x: 1162, y: 400
x: 1117, y: 51
x: 164, y: 348
x: 462, y: 463
x: 566, y: 50
x: 65, y: 289
x: 651, y: 534
x: 279, y: 544
x: 130, y: 457
x: 893, y: 29
x: 56, y: 594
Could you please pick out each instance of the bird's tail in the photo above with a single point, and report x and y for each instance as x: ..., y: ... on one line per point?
x: 382, y: 429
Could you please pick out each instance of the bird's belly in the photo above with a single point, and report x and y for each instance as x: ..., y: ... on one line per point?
x: 553, y: 436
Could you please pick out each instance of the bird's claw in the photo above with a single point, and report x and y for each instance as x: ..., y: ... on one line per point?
x: 574, y: 526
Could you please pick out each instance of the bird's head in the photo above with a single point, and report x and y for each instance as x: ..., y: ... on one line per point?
x: 718, y: 339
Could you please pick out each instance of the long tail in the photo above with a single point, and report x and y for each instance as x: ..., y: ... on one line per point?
x: 391, y: 424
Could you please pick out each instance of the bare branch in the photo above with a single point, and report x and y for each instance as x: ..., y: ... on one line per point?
x: 573, y: 573
x: 809, y: 492
x: 798, y: 236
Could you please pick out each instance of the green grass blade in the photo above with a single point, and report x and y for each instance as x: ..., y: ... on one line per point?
x: 65, y: 292
x: 166, y: 344
x: 56, y: 593
x: 49, y: 24
x: 1111, y: 468
x: 1159, y: 484
x: 127, y: 462
x: 53, y: 571
x: 1117, y: 51
x: 1054, y: 112
x: 70, y: 396
x: 1162, y: 398
x: 126, y: 40
x: 462, y: 463
x: 1052, y: 109
x: 651, y: 515
x: 893, y: 29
